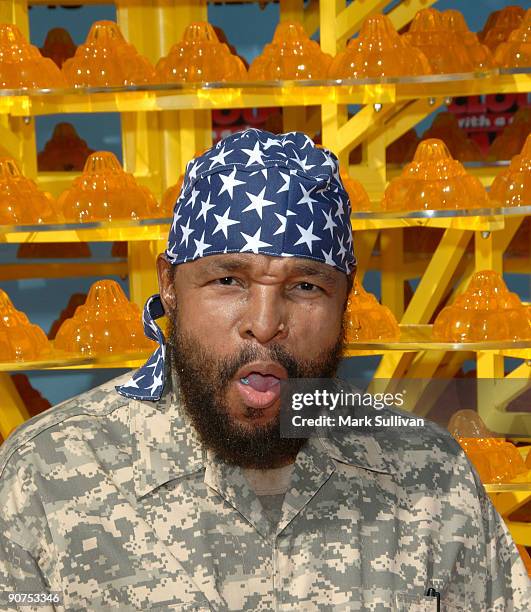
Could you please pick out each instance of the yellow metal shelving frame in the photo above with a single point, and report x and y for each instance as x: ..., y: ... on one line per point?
x: 161, y: 130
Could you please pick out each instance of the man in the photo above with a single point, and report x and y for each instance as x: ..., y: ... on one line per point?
x: 174, y: 490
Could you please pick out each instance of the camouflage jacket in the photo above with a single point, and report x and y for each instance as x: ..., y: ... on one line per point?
x: 115, y: 504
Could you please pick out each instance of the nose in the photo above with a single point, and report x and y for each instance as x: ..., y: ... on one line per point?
x: 264, y: 316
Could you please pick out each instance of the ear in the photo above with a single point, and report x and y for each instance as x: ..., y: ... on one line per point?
x: 166, y: 278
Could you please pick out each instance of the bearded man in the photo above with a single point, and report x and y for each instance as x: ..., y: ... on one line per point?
x: 175, y: 490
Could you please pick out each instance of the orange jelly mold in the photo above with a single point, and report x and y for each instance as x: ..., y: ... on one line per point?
x: 22, y: 65
x: 446, y: 127
x: 378, y: 51
x: 32, y: 398
x: 107, y: 323
x: 516, y: 52
x: 434, y: 181
x: 512, y: 186
x: 106, y: 59
x: 359, y: 199
x: 58, y: 46
x: 486, y: 311
x: 53, y: 250
x: 21, y: 201
x: 479, y: 55
x: 366, y: 319
x: 495, y: 459
x: 200, y: 57
x: 169, y: 197
x: 20, y: 340
x: 442, y: 46
x: 75, y: 300
x: 65, y: 151
x: 291, y: 55
x: 403, y: 149
x: 510, y: 141
x: 105, y: 192
x: 500, y: 25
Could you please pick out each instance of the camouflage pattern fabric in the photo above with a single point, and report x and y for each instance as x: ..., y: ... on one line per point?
x: 115, y: 503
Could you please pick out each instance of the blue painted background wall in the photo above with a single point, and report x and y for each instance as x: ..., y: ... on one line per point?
x: 249, y: 28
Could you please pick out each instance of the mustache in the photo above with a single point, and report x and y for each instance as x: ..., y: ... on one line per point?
x: 248, y: 354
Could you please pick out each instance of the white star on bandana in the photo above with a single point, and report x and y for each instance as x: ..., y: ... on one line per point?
x: 229, y: 182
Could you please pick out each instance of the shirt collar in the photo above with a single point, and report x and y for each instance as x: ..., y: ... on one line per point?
x: 166, y: 445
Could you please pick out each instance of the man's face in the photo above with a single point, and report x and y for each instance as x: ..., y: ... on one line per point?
x: 238, y: 324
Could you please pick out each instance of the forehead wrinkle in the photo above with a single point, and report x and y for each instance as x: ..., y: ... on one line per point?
x: 239, y: 262
x: 309, y: 270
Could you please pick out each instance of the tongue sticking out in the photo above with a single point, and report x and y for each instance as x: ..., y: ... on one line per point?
x: 262, y: 383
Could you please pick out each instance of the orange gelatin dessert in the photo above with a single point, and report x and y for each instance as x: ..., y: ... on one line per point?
x: 21, y: 201
x: 516, y: 52
x: 512, y: 186
x: 434, y: 181
x: 446, y: 127
x: 510, y: 141
x: 500, y: 25
x: 403, y: 149
x: 53, y: 250
x: 495, y: 459
x: 366, y: 319
x: 32, y: 398
x: 479, y: 55
x: 200, y: 57
x: 58, y: 46
x: 291, y: 55
x: 359, y: 199
x: 20, y: 340
x: 105, y: 192
x: 378, y: 51
x: 442, y: 46
x: 75, y: 300
x: 169, y: 197
x: 486, y: 311
x: 107, y: 323
x: 106, y: 59
x: 65, y: 151
x: 22, y: 65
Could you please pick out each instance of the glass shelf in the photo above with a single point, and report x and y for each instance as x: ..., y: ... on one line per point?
x: 443, y: 214
x: 413, y: 338
x: 94, y: 231
x: 250, y: 94
x: 419, y: 338
x: 508, y: 487
x: 253, y: 85
x: 157, y: 229
x: 61, y: 360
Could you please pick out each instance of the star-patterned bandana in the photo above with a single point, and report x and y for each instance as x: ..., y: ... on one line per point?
x: 254, y: 192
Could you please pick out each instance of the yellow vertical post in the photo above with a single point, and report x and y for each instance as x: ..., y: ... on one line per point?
x: 16, y: 11
x: 182, y: 133
x: 293, y: 117
x: 391, y: 257
x: 328, y: 12
x: 142, y: 256
x: 13, y: 412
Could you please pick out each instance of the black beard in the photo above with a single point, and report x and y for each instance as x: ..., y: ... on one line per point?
x: 204, y: 381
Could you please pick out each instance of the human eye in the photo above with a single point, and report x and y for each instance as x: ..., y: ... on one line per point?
x: 226, y: 281
x: 308, y: 287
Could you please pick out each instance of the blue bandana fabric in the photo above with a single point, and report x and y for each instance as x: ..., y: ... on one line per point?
x: 254, y: 192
